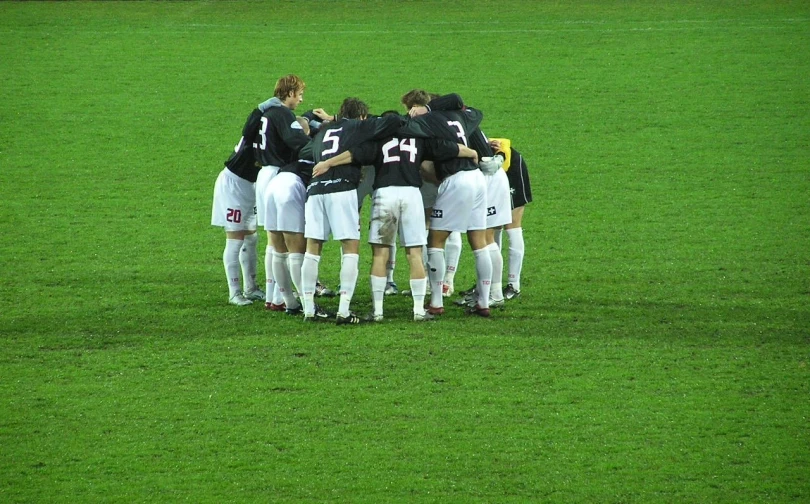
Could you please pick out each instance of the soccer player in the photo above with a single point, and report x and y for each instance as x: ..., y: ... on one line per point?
x: 277, y: 142
x: 461, y: 200
x: 331, y: 206
x: 234, y: 209
x: 397, y: 207
x: 520, y: 194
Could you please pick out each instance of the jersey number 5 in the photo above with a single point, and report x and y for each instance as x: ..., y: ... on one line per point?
x: 332, y: 137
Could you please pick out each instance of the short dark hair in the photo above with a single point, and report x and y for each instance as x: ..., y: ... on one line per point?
x: 353, y: 108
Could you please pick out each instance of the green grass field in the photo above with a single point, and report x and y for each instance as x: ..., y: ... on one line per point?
x: 660, y: 349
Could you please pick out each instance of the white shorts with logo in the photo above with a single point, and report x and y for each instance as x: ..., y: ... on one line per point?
x: 334, y: 213
x: 263, y: 179
x: 397, y: 209
x: 499, y: 204
x: 284, y: 206
x: 234, y: 205
x: 429, y: 191
x: 461, y: 204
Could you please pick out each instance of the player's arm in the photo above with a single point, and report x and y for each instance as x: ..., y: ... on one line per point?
x: 290, y: 130
x: 443, y: 150
x: 324, y: 166
x: 450, y: 101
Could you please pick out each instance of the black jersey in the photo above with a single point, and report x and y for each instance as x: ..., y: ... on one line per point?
x: 477, y: 140
x: 338, y: 137
x: 396, y: 160
x: 450, y: 125
x: 243, y: 161
x: 279, y: 137
x: 302, y: 168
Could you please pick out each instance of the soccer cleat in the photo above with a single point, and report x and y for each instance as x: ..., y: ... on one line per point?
x: 323, y: 291
x: 275, y: 307
x: 477, y: 310
x: 468, y: 300
x: 351, y: 318
x: 319, y: 315
x: 497, y: 304
x: 255, y: 295
x: 391, y: 289
x: 434, y: 310
x: 240, y: 300
x: 423, y: 317
x: 467, y: 292
x: 447, y: 290
x: 510, y: 292
x: 372, y: 317
x: 295, y: 311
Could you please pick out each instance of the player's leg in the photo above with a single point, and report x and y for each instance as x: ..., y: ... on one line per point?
x: 452, y: 255
x: 234, y: 210
x: 344, y: 218
x: 496, y: 287
x: 296, y: 246
x: 436, y: 268
x: 418, y: 282
x: 514, y: 232
x: 483, y: 269
x: 390, y: 265
x: 281, y: 272
x: 379, y: 259
x: 349, y: 271
x: 316, y: 231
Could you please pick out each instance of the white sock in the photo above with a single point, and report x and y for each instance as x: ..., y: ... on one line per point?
x: 348, y: 280
x: 498, y: 236
x: 249, y: 258
x: 269, y: 280
x: 309, y: 276
x: 378, y: 293
x: 281, y: 271
x: 418, y: 290
x: 436, y: 275
x: 233, y: 271
x: 483, y: 272
x: 391, y: 264
x: 452, y: 255
x: 516, y: 251
x: 294, y: 261
x: 496, y: 288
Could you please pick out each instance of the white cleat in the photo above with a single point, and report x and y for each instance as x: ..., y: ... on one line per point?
x: 255, y: 295
x: 240, y: 300
x: 423, y: 317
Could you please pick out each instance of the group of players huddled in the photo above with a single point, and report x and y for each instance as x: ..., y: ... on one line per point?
x: 432, y: 175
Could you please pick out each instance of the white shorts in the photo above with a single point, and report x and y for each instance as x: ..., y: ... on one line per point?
x: 284, y: 207
x: 461, y: 204
x: 429, y: 190
x: 263, y: 179
x: 397, y: 209
x: 499, y: 203
x: 334, y: 213
x: 366, y: 186
x: 234, y: 205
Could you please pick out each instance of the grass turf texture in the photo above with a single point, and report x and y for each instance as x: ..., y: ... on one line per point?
x: 659, y: 350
